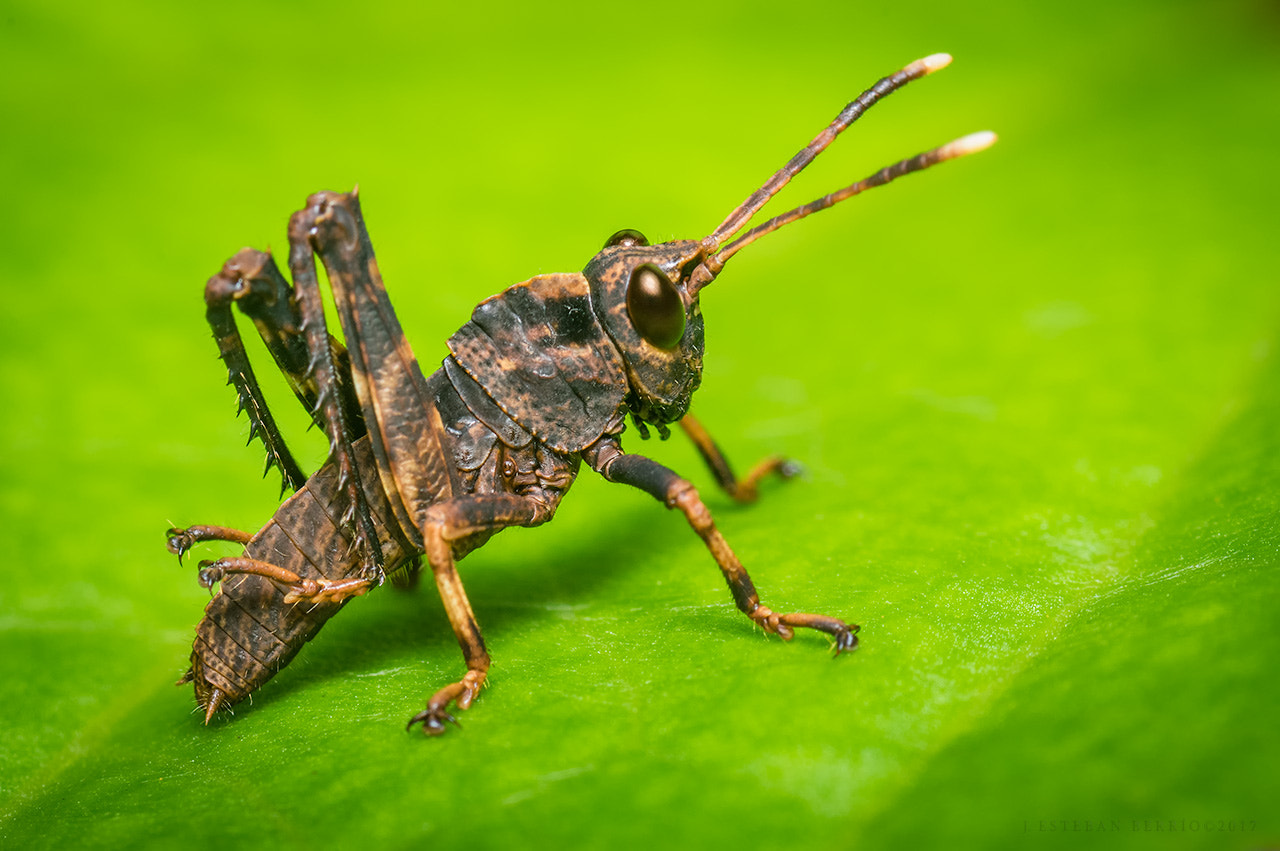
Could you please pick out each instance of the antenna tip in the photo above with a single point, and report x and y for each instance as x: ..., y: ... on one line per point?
x: 934, y: 62
x: 971, y: 144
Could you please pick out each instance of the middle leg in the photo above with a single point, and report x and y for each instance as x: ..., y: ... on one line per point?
x: 451, y: 522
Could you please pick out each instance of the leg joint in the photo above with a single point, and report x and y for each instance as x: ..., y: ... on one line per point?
x: 684, y: 496
x: 246, y: 274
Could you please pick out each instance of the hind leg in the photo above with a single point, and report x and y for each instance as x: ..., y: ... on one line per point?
x: 243, y: 280
x: 182, y: 540
x: 251, y: 281
x: 298, y: 589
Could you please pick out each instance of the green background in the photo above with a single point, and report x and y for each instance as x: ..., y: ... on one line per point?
x: 1037, y: 394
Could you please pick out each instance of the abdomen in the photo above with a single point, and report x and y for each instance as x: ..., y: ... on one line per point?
x: 248, y: 632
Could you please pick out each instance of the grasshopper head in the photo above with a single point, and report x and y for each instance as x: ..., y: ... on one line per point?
x: 643, y: 296
x: 646, y: 296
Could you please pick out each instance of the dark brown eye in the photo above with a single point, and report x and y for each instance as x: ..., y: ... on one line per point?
x: 627, y: 237
x: 655, y: 307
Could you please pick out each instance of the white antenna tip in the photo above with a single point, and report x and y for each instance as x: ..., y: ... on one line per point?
x: 935, y: 62
x: 972, y: 143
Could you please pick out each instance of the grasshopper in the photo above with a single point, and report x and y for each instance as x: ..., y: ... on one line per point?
x: 542, y: 379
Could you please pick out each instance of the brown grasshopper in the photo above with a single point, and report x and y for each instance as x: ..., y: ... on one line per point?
x: 540, y: 380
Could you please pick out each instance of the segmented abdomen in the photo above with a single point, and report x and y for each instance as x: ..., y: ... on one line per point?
x: 248, y: 632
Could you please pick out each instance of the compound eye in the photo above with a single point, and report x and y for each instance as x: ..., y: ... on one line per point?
x: 626, y: 237
x: 655, y: 307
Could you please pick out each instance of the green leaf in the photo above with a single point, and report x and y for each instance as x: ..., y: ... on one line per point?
x: 1036, y: 394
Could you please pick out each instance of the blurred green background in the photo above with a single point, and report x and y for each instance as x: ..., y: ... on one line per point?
x: 1037, y: 394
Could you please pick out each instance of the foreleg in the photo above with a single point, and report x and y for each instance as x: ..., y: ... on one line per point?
x: 746, y: 489
x: 446, y: 524
x: 607, y: 458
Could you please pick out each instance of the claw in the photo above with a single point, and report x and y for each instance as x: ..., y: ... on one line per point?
x: 843, y: 634
x: 790, y: 468
x: 179, y: 542
x: 436, y: 715
x: 210, y: 574
x: 845, y: 640
x: 433, y: 721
